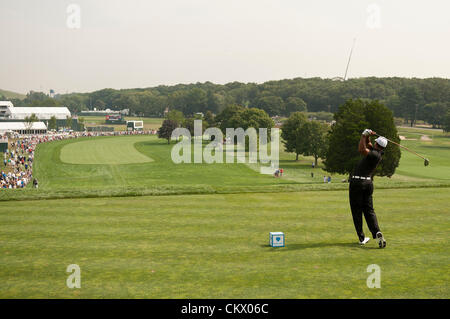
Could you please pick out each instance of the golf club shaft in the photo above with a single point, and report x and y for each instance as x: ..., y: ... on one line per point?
x: 404, y: 147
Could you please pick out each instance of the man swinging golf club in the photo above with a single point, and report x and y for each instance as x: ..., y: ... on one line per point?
x: 361, y: 187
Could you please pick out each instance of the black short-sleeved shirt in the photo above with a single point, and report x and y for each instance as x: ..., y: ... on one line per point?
x: 368, y: 163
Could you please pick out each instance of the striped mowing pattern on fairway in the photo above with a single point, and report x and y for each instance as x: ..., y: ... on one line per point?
x: 107, y: 150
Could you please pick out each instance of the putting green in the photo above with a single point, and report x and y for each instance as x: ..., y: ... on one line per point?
x: 106, y: 150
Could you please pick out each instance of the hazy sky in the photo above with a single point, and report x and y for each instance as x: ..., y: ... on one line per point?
x: 138, y: 43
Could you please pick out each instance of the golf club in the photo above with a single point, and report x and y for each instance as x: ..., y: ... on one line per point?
x: 426, y: 161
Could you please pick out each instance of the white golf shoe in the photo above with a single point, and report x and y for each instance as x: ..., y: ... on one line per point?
x: 380, y: 239
x: 366, y: 239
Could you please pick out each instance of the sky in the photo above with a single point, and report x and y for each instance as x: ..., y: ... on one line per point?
x: 87, y: 45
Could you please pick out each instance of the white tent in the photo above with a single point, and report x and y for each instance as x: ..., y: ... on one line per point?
x: 9, y: 112
x: 23, y: 128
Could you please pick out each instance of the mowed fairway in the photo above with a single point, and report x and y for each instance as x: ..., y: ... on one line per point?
x: 104, y: 151
x: 216, y: 246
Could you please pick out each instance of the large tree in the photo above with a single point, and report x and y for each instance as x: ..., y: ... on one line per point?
x: 410, y: 103
x: 196, y: 101
x: 434, y: 113
x: 351, y: 119
x: 446, y: 125
x: 166, y: 129
x: 236, y: 116
x: 313, y: 140
x: 256, y: 118
x: 295, y: 104
x: 290, y: 133
x: 212, y: 102
x: 228, y: 116
x: 273, y: 105
x: 176, y: 116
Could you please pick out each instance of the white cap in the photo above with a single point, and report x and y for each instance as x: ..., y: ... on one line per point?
x: 382, y: 141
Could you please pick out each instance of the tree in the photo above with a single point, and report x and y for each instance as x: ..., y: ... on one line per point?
x: 313, y: 139
x: 81, y: 123
x: 210, y: 119
x: 295, y: 104
x: 196, y: 101
x: 150, y: 104
x: 75, y: 102
x: 351, y: 119
x: 212, y: 102
x: 229, y: 116
x: 68, y: 122
x: 189, y: 124
x: 273, y: 105
x: 177, y: 100
x: 434, y: 113
x: 237, y: 116
x: 175, y: 116
x: 124, y: 101
x: 290, y: 133
x: 29, y: 120
x: 256, y: 118
x: 446, y: 125
x: 166, y: 129
x: 410, y: 103
x: 52, y: 123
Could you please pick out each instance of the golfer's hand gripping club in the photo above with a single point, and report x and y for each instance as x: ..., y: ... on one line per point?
x: 368, y: 132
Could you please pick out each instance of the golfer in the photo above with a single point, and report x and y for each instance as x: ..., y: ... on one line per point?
x: 361, y: 187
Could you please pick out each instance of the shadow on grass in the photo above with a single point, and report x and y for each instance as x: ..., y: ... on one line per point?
x: 318, y: 245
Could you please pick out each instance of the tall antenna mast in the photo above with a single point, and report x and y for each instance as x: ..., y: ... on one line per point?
x: 349, y: 58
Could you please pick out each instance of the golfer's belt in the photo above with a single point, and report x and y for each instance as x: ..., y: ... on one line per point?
x: 362, y: 177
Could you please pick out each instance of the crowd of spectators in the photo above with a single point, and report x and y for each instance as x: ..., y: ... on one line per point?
x: 17, y: 164
x: 17, y: 169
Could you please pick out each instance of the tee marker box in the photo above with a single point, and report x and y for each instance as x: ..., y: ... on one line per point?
x: 276, y: 239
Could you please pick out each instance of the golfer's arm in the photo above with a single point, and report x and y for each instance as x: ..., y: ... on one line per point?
x: 364, y: 145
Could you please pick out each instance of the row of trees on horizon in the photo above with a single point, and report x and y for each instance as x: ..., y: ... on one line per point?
x: 410, y: 99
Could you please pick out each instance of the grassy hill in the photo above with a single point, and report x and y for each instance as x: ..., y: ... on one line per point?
x: 12, y: 95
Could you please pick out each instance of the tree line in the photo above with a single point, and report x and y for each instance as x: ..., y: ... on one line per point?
x: 410, y: 99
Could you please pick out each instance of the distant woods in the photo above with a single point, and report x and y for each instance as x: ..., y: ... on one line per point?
x: 409, y: 99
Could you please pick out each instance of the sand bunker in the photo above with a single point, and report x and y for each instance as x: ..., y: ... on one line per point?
x: 403, y: 138
x: 425, y: 138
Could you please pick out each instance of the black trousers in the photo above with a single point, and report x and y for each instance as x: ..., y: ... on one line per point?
x: 361, y: 202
